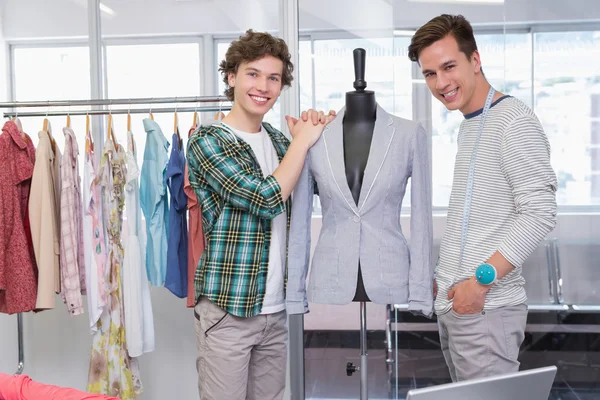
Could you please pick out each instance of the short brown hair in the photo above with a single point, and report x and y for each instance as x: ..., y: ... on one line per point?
x: 253, y: 46
x: 440, y: 27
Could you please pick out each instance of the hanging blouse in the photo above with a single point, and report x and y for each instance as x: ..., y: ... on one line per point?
x: 196, y: 242
x: 72, y: 264
x: 111, y: 369
x: 96, y: 273
x: 139, y: 321
x: 177, y: 264
x: 44, y: 208
x: 153, y: 199
x: 18, y: 270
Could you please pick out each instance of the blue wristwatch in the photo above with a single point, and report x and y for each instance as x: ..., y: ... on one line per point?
x: 486, y: 274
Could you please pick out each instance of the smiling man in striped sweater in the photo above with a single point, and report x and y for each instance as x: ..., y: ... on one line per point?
x: 502, y: 205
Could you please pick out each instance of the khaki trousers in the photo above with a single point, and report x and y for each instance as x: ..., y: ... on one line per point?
x: 240, y: 358
x: 482, y: 344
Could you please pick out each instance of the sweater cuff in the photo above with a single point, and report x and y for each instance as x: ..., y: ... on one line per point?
x: 296, y: 307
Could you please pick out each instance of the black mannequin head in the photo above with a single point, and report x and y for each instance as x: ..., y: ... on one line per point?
x: 360, y: 103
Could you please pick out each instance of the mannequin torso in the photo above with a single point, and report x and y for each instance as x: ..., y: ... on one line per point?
x: 358, y: 127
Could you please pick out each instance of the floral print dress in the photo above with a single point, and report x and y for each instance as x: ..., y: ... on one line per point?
x: 112, y: 371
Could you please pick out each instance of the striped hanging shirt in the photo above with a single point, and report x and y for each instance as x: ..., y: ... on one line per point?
x: 513, y: 204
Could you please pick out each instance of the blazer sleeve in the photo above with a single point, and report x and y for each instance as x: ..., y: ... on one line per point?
x: 299, y: 242
x: 420, y: 284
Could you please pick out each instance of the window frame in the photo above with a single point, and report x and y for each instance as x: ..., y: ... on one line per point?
x: 421, y: 99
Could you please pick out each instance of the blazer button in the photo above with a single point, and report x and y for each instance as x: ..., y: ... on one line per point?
x: 356, y: 218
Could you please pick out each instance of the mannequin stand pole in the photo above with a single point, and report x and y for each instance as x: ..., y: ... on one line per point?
x: 364, y: 392
x: 350, y: 367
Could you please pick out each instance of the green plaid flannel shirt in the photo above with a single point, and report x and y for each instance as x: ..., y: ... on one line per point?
x: 238, y: 204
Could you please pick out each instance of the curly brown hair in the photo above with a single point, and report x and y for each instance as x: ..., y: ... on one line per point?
x: 253, y: 46
x: 440, y: 27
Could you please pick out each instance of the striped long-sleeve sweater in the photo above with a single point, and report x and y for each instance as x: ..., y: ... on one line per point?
x: 513, y: 206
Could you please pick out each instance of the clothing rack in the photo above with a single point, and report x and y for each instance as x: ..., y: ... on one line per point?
x: 110, y: 102
x: 103, y: 111
x: 118, y: 111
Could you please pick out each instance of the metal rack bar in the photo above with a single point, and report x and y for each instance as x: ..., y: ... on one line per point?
x: 117, y: 111
x: 21, y: 364
x: 108, y: 102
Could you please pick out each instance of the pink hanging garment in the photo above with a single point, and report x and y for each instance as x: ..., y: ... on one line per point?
x: 21, y: 387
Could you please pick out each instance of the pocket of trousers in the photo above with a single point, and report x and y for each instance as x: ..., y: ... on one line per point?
x: 209, y: 316
x: 466, y: 316
x: 216, y: 324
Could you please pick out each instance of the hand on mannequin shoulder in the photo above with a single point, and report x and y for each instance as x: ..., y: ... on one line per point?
x: 316, y: 116
x: 310, y: 125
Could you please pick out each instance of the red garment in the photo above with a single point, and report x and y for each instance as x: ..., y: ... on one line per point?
x: 196, y: 242
x: 21, y: 387
x: 18, y: 270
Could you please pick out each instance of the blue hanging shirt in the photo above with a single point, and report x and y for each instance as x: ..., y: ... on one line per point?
x: 153, y: 200
x: 177, y: 253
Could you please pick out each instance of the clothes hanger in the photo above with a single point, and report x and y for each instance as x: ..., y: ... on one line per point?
x: 46, y: 122
x: 194, y: 122
x: 129, y: 126
x: 176, y: 125
x: 219, y: 115
x: 151, y: 115
x: 109, y: 130
x: 69, y: 117
x: 89, y: 145
x: 17, y: 122
x: 47, y: 127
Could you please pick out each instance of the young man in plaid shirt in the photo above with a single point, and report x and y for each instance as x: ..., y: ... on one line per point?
x: 243, y: 171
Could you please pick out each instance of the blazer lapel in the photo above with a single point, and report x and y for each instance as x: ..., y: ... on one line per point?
x: 333, y: 139
x: 380, y: 144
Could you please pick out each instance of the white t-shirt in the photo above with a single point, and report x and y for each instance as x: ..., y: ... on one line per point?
x: 266, y: 155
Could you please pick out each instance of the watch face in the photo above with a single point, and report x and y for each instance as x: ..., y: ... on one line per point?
x: 485, y: 274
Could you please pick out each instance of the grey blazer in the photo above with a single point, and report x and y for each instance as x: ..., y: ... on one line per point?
x: 393, y: 272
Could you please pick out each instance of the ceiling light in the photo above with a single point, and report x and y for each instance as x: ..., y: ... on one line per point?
x: 104, y: 8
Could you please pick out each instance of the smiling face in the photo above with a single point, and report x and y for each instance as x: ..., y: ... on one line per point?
x: 256, y: 86
x: 451, y: 77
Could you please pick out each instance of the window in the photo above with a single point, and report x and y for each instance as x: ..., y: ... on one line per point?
x: 52, y: 73
x: 403, y: 105
x: 334, y: 71
x: 305, y: 75
x: 566, y: 87
x: 152, y: 70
